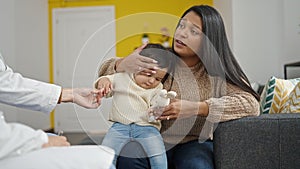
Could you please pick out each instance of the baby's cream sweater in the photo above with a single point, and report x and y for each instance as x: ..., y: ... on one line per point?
x: 130, y: 102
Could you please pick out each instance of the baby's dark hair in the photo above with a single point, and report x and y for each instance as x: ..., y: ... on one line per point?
x: 159, y: 53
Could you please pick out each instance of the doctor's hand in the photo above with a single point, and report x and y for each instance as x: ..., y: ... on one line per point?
x: 54, y: 141
x: 84, y: 97
x: 136, y: 63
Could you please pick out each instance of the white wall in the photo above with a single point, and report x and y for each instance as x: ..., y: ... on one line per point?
x: 24, y: 46
x: 225, y: 9
x: 291, y: 37
x: 260, y: 34
x: 7, y: 37
x: 7, y: 41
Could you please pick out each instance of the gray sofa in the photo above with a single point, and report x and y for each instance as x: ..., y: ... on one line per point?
x: 269, y: 141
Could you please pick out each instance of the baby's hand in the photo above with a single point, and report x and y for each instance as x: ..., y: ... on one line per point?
x: 104, y: 83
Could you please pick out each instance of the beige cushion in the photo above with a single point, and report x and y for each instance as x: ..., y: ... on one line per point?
x: 275, y: 95
x: 292, y: 105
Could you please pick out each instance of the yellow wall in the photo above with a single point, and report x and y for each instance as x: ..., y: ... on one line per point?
x: 133, y: 18
x: 130, y: 15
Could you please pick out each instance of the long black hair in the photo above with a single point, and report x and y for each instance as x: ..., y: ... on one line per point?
x: 215, y: 52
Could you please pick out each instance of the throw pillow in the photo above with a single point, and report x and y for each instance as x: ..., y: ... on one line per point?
x: 292, y: 104
x: 275, y: 94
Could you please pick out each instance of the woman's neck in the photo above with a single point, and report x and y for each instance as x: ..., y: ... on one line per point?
x: 190, y: 62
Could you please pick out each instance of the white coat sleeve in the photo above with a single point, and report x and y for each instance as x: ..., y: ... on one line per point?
x: 22, y: 92
x: 15, y: 90
x: 17, y: 139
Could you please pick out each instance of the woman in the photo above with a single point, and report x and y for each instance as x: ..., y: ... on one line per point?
x: 210, y: 84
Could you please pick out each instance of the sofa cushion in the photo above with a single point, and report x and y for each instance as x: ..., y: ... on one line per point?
x: 275, y: 94
x: 268, y: 141
x: 292, y: 105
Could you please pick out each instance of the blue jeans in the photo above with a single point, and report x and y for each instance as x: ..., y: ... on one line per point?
x: 191, y: 155
x: 148, y: 136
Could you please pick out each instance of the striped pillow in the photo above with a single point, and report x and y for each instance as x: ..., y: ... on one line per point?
x: 275, y: 94
x: 292, y: 105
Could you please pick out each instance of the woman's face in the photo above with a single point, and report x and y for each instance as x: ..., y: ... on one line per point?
x: 187, y: 36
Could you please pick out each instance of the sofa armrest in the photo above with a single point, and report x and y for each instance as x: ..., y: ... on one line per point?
x: 267, y: 141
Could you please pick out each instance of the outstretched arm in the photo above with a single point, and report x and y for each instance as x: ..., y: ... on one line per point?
x: 84, y: 97
x: 235, y: 104
x: 22, y: 92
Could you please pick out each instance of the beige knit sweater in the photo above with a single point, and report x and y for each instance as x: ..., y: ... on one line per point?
x: 225, y: 101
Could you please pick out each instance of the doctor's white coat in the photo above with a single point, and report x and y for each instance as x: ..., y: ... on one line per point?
x: 21, y: 146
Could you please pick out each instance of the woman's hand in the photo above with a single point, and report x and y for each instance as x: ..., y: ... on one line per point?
x: 54, y: 141
x: 184, y: 109
x: 84, y: 97
x: 136, y: 63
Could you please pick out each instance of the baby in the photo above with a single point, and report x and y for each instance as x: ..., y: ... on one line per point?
x: 134, y: 97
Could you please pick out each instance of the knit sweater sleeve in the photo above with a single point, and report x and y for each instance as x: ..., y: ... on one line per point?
x: 235, y: 104
x: 108, y: 67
